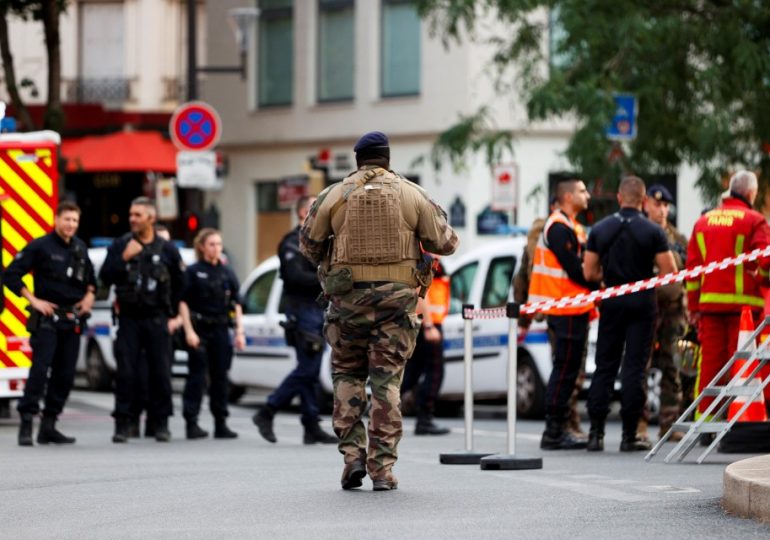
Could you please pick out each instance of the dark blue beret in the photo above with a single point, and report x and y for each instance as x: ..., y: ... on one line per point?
x: 660, y: 193
x: 371, y: 140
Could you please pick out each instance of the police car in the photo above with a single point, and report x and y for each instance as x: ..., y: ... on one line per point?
x: 481, y: 277
x: 96, y: 359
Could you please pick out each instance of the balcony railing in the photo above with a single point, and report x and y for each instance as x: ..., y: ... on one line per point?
x: 108, y: 91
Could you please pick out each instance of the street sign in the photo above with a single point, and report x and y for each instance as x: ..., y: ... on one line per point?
x: 197, y: 170
x: 165, y: 199
x: 195, y: 126
x: 290, y: 189
x: 623, y: 124
x: 505, y: 179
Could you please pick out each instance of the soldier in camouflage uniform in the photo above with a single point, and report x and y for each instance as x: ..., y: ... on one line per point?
x: 672, y: 315
x: 370, y: 271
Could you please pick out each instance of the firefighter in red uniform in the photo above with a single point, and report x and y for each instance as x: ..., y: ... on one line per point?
x: 714, y: 300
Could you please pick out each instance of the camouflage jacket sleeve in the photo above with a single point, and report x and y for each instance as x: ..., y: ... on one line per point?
x: 433, y: 229
x: 316, y: 229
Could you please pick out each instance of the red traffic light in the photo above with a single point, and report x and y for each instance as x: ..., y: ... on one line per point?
x: 192, y: 223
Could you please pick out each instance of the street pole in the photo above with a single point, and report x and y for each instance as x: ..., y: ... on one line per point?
x: 192, y: 60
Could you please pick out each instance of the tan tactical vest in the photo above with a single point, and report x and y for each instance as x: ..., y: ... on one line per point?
x: 374, y: 238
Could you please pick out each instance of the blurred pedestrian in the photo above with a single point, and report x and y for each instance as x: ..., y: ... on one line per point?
x: 64, y: 287
x: 558, y: 272
x: 304, y: 330
x: 209, y: 307
x: 148, y: 275
x: 371, y: 271
x: 624, y: 248
x: 672, y: 315
x: 715, y: 299
x: 424, y: 371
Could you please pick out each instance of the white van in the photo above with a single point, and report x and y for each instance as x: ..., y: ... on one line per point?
x: 96, y: 359
x: 481, y: 277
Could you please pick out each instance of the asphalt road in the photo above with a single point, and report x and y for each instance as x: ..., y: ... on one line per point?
x: 249, y: 488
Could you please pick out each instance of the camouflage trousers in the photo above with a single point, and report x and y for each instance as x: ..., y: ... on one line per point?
x: 372, y: 333
x: 670, y: 327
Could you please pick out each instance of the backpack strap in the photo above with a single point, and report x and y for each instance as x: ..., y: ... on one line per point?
x: 360, y: 182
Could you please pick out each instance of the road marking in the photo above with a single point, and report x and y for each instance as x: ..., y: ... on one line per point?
x: 667, y: 489
x: 592, y: 490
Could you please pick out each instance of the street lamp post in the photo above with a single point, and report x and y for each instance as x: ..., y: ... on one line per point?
x: 241, y: 21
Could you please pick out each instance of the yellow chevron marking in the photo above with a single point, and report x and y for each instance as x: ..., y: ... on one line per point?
x: 22, y: 218
x: 20, y: 359
x: 17, y: 184
x: 36, y: 173
x: 45, y: 155
x: 16, y: 326
x: 13, y: 237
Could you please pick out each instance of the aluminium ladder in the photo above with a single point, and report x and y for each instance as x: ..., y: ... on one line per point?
x: 714, y: 420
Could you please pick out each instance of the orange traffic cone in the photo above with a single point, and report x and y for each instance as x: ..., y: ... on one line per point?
x: 756, y: 411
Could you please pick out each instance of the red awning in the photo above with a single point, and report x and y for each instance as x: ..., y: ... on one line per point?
x: 128, y: 151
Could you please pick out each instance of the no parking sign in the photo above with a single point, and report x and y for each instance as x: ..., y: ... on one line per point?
x: 195, y: 126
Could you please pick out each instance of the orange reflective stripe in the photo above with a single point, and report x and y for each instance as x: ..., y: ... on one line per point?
x: 438, y: 299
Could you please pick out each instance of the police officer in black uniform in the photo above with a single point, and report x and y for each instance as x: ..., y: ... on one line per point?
x: 305, y: 319
x: 148, y: 275
x: 209, y: 306
x: 624, y: 248
x: 64, y: 294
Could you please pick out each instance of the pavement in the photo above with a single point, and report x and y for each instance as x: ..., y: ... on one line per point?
x: 747, y: 488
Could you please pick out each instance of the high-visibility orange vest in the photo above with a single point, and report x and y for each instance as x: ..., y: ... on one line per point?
x: 438, y: 299
x: 549, y: 280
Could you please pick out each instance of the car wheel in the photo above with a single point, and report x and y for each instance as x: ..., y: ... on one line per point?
x: 97, y: 374
x: 235, y: 393
x: 530, y: 390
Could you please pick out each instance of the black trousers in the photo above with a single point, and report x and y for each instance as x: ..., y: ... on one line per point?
x: 138, y: 337
x: 426, y: 368
x: 626, y: 324
x: 214, y: 355
x: 56, y: 350
x: 569, y: 335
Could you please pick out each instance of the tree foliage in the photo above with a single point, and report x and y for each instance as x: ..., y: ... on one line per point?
x: 699, y: 68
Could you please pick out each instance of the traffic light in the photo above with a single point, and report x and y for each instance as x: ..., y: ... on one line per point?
x: 192, y: 222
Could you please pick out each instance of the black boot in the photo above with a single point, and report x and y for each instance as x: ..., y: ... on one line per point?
x: 149, y: 427
x: 632, y: 443
x: 555, y: 437
x: 162, y: 434
x: 122, y: 430
x: 596, y: 436
x: 264, y: 422
x: 194, y: 431
x: 133, y: 429
x: 221, y: 431
x: 49, y: 434
x: 25, y: 430
x: 314, y: 434
x: 426, y: 426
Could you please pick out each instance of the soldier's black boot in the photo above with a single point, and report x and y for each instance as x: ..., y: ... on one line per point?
x: 264, y: 422
x: 221, y: 431
x: 596, y: 436
x: 632, y: 443
x: 25, y: 430
x: 555, y: 437
x: 122, y: 430
x: 353, y: 474
x: 49, y: 434
x: 314, y: 434
x: 427, y: 426
x: 194, y: 431
x: 162, y: 434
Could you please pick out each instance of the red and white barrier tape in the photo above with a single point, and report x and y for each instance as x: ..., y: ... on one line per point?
x: 620, y: 290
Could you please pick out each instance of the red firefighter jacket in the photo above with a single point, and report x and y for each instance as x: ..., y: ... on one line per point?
x: 729, y: 230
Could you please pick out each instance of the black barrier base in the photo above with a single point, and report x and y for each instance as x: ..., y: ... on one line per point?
x: 507, y: 462
x: 462, y: 458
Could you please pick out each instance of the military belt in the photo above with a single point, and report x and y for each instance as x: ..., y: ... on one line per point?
x: 383, y: 272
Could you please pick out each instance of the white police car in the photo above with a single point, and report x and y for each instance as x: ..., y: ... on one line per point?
x: 96, y: 359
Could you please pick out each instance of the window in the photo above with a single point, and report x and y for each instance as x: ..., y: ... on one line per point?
x: 276, y: 53
x: 460, y: 287
x: 335, y: 50
x: 255, y: 300
x: 400, y: 58
x: 498, y: 282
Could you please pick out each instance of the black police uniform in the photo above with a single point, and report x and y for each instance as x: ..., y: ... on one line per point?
x: 211, y: 292
x: 148, y: 289
x: 627, y: 244
x: 62, y: 275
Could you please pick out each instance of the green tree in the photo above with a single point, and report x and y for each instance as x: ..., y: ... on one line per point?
x: 47, y: 12
x: 699, y: 68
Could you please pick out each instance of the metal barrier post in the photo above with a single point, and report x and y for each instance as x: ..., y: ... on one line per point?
x: 468, y: 457
x: 511, y: 461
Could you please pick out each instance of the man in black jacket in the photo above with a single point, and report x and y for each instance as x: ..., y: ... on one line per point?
x: 304, y: 320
